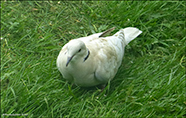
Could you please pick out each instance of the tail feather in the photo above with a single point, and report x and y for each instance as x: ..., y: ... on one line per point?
x: 128, y: 34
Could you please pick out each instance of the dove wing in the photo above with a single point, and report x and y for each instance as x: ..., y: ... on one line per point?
x: 108, y: 53
x: 111, y: 53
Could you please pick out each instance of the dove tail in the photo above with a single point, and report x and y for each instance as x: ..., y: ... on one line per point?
x: 128, y: 34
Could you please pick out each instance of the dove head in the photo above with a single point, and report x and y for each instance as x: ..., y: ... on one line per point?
x: 76, y: 49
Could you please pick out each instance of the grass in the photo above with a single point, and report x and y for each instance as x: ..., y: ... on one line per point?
x: 150, y: 82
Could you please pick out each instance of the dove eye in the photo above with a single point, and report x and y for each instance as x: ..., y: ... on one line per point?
x: 79, y: 50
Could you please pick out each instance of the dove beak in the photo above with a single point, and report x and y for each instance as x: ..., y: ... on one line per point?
x: 68, y: 60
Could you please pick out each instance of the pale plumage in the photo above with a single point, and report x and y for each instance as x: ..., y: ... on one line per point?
x: 95, y: 59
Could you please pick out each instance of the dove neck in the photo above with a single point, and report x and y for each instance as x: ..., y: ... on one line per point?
x: 87, y: 55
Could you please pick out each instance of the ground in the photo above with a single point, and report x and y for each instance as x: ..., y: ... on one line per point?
x: 150, y: 82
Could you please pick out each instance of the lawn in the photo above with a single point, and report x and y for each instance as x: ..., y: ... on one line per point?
x: 151, y: 81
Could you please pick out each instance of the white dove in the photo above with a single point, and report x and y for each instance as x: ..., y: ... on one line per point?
x: 95, y: 59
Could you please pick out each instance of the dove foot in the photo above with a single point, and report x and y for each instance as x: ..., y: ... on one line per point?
x: 102, y: 87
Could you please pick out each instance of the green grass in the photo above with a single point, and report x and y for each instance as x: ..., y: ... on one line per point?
x: 150, y: 82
